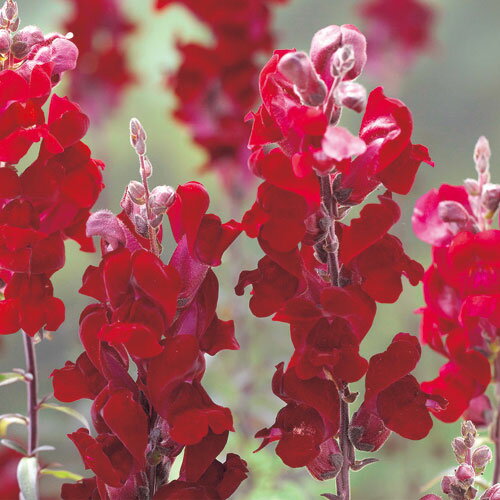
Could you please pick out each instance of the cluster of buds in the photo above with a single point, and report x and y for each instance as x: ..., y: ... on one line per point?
x: 472, y: 461
x: 9, y: 16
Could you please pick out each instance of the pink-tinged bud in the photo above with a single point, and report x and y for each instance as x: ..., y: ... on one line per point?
x: 492, y: 493
x: 147, y: 166
x: 297, y: 67
x: 20, y: 50
x: 431, y: 496
x: 137, y: 192
x: 141, y: 225
x: 106, y: 225
x: 452, y: 211
x: 481, y: 457
x: 64, y: 55
x: 138, y: 136
x: 459, y: 449
x: 482, y: 155
x: 479, y: 412
x: 328, y: 463
x: 5, y: 41
x: 447, y: 482
x: 491, y: 197
x: 339, y: 144
x: 28, y: 36
x: 327, y: 41
x: 471, y: 186
x: 10, y: 11
x: 352, y: 95
x: 465, y: 473
x: 367, y: 431
x: 161, y: 198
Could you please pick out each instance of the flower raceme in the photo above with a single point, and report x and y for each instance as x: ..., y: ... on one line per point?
x: 323, y: 276
x: 462, y: 288
x: 47, y: 201
x: 162, y: 319
x: 216, y: 85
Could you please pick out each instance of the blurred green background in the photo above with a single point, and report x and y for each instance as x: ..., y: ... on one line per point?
x: 453, y: 93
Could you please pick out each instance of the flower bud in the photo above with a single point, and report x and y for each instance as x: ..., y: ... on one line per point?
x: 465, y: 473
x: 352, y: 95
x: 147, y: 167
x: 452, y: 211
x: 137, y: 192
x: 481, y: 457
x: 459, y: 449
x: 492, y: 493
x: 328, y: 463
x: 431, y: 496
x: 367, y: 431
x: 471, y: 186
x: 447, y: 482
x: 469, y: 433
x: 20, y: 50
x: 106, y: 225
x: 297, y: 67
x: 138, y: 136
x: 141, y: 225
x: 161, y: 198
x: 491, y: 197
x: 479, y: 412
x: 482, y: 155
x: 5, y: 41
x: 10, y: 11
x: 28, y: 36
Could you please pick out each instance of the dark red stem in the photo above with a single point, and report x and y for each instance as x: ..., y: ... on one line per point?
x: 32, y: 393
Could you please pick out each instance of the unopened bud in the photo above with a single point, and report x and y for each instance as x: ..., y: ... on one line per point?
x: 138, y: 136
x: 137, y: 192
x: 491, y: 197
x: 141, y: 225
x: 465, y: 473
x: 161, y: 198
x: 492, y: 493
x: 29, y: 36
x: 469, y: 433
x: 343, y: 60
x: 452, y: 211
x: 20, y: 50
x: 471, y: 186
x: 459, y: 449
x: 298, y: 68
x: 352, y: 95
x: 482, y: 155
x: 447, y: 482
x: 481, y: 457
x: 328, y: 463
x: 147, y: 166
x: 106, y: 225
x: 5, y: 41
x: 10, y: 10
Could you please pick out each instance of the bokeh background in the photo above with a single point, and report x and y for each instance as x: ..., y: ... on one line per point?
x: 453, y: 92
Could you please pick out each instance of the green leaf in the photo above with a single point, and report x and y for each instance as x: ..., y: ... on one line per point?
x: 69, y: 411
x: 11, y: 418
x: 10, y: 377
x: 62, y: 474
x: 27, y: 474
x: 13, y: 446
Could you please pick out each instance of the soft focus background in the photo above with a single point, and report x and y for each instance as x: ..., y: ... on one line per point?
x: 453, y: 92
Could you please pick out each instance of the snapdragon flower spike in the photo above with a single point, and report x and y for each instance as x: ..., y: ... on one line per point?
x: 100, y: 29
x: 398, y: 31
x: 216, y: 85
x: 160, y: 318
x: 323, y: 276
x: 461, y: 288
x: 47, y: 201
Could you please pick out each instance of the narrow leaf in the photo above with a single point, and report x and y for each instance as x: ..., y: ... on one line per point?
x: 13, y: 446
x: 11, y: 418
x: 27, y: 472
x: 10, y: 377
x: 62, y: 474
x: 69, y: 411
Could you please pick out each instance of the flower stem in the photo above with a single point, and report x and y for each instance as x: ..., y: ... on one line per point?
x: 32, y: 393
x: 331, y: 247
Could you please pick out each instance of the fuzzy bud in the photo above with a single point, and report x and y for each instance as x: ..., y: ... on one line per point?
x: 26, y: 38
x: 465, y: 473
x: 141, y: 225
x: 447, y: 482
x: 481, y: 457
x: 471, y: 186
x: 106, y: 225
x: 452, y: 211
x: 298, y: 68
x: 482, y: 155
x: 10, y: 11
x: 469, y: 433
x: 20, y: 49
x: 479, y: 412
x: 147, y: 167
x: 352, y: 95
x: 431, y: 496
x: 138, y: 136
x: 491, y: 197
x: 137, y: 192
x: 5, y: 41
x: 161, y: 198
x: 459, y: 449
x: 492, y: 493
